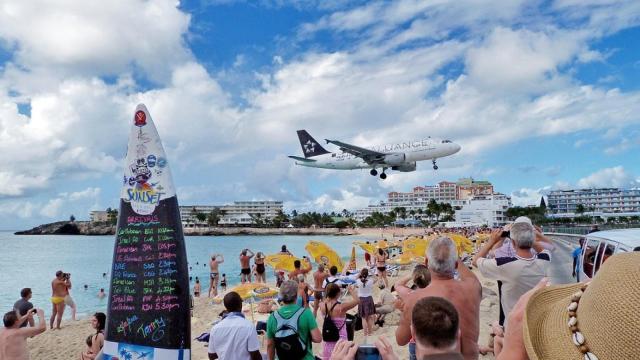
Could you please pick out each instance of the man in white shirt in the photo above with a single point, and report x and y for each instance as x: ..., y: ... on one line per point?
x: 234, y: 337
x: 518, y: 273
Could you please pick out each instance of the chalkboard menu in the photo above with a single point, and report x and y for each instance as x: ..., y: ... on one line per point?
x: 148, y: 313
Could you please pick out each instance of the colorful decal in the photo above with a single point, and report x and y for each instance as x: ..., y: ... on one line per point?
x: 140, y: 119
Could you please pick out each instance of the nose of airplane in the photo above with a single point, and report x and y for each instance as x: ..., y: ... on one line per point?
x: 456, y: 147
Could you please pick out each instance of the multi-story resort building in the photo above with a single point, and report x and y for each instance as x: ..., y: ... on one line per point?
x: 238, y: 213
x: 605, y: 202
x: 475, y: 202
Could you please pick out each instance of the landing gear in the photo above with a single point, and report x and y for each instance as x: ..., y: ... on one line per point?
x: 383, y: 175
x: 373, y: 172
x: 435, y: 167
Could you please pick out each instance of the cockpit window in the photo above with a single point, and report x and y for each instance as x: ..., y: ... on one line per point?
x: 446, y: 141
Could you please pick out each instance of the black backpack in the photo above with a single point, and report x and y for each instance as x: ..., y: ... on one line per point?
x: 330, y: 332
x: 287, y: 340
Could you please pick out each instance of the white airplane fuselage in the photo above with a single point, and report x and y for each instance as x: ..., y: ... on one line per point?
x: 403, y: 156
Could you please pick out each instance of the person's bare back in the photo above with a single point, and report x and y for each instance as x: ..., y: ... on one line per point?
x: 465, y: 294
x: 318, y: 279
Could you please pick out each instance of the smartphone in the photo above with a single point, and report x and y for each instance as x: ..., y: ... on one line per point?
x: 367, y: 352
x: 35, y: 311
x: 506, y: 234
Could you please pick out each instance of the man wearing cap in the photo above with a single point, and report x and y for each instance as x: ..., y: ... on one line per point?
x: 518, y: 273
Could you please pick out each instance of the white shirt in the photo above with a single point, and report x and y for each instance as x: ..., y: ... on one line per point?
x: 365, y: 290
x: 518, y: 275
x: 233, y: 338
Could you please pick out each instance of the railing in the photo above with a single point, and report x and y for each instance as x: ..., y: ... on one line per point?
x: 583, y: 230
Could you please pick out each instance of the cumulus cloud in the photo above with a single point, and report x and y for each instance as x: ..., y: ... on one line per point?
x: 609, y: 177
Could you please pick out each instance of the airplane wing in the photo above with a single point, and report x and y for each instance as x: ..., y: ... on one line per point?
x: 369, y: 156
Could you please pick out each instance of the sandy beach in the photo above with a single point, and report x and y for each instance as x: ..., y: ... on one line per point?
x: 67, y: 343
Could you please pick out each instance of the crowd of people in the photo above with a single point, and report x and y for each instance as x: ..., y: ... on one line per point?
x: 440, y: 311
x: 19, y: 323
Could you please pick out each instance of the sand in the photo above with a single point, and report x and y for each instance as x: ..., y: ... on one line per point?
x: 67, y: 343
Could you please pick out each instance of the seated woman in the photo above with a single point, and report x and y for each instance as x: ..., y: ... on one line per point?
x: 98, y: 322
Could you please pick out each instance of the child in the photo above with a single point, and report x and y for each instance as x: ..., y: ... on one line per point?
x: 197, y: 288
x: 223, y: 282
x: 85, y: 355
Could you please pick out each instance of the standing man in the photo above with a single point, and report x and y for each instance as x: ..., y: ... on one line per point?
x: 318, y: 288
x: 291, y: 330
x: 214, y: 274
x: 521, y: 272
x: 59, y: 290
x: 577, y: 254
x: 23, y: 305
x: 297, y: 265
x: 68, y: 300
x: 245, y: 265
x: 13, y: 338
x: 464, y: 292
x: 234, y: 337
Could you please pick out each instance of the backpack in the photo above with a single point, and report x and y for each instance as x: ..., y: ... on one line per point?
x: 287, y: 340
x: 330, y: 332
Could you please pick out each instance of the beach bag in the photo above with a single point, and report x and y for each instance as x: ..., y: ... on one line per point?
x: 330, y: 332
x: 287, y: 340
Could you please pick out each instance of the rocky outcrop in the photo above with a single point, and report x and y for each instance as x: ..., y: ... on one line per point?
x: 89, y: 228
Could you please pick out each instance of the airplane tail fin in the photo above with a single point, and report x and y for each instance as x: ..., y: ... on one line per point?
x: 310, y: 147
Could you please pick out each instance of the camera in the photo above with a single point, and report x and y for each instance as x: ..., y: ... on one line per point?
x: 34, y: 311
x: 506, y: 234
x: 66, y: 276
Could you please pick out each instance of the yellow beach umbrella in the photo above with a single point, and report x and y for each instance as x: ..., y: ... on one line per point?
x: 370, y: 248
x: 415, y: 246
x: 322, y: 253
x: 281, y: 261
x: 406, y: 259
x: 463, y: 244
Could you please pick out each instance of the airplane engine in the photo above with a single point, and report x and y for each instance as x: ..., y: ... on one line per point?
x: 405, y: 168
x: 395, y: 159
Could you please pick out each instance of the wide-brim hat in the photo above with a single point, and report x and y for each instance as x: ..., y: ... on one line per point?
x: 608, y: 315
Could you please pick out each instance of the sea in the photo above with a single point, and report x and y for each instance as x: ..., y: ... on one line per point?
x: 32, y: 261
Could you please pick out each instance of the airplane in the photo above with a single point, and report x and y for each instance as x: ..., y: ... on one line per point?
x: 400, y: 157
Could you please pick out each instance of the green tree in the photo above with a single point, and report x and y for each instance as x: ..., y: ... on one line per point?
x: 201, y: 217
x: 580, y: 209
x: 72, y: 218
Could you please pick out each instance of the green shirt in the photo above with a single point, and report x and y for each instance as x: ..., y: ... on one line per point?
x: 306, y: 323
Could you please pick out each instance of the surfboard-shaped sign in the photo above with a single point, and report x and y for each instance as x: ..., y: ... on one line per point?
x: 148, y: 316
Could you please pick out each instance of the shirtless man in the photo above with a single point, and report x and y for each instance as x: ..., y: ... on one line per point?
x: 297, y: 265
x: 245, y: 265
x: 464, y: 293
x: 13, y: 338
x: 59, y: 290
x: 318, y: 288
x: 214, y: 275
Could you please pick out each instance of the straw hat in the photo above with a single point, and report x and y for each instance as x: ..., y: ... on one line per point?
x: 608, y: 315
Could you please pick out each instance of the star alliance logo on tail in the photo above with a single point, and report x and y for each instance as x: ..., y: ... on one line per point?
x: 309, y: 147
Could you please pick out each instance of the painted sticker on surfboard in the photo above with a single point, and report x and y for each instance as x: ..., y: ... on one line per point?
x: 148, y: 314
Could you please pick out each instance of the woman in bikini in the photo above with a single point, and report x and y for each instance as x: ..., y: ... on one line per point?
x: 260, y: 270
x: 381, y: 265
x: 98, y: 322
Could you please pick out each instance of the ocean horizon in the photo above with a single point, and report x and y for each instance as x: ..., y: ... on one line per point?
x: 32, y: 261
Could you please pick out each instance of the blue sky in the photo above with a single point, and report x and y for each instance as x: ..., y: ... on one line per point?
x: 540, y: 94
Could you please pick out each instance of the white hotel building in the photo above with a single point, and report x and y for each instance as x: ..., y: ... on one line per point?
x: 238, y: 213
x: 604, y: 202
x: 476, y: 201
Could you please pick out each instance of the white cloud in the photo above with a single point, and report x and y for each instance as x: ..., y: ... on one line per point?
x: 88, y: 38
x: 527, y: 196
x: 609, y: 177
